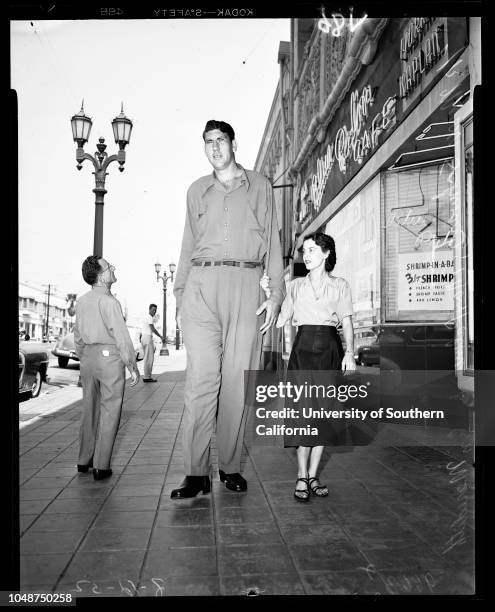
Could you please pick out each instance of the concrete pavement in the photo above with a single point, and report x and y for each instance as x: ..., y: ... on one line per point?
x: 398, y: 520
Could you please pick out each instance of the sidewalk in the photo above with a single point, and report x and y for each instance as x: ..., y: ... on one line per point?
x: 398, y: 520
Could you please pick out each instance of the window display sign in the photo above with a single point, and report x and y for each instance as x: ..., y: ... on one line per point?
x: 426, y: 280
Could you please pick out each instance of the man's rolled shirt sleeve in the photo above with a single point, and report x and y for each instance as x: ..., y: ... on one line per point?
x: 187, y: 249
x: 114, y: 320
x: 275, y: 269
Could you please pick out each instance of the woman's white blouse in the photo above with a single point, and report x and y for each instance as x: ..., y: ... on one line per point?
x: 300, y: 303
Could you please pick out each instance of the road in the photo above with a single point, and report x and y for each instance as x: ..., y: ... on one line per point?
x: 59, y: 377
x: 61, y: 389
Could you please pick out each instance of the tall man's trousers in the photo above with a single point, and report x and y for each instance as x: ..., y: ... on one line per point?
x: 222, y: 338
x: 149, y: 354
x: 103, y: 382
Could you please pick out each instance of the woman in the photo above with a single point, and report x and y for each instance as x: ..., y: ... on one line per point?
x: 317, y: 303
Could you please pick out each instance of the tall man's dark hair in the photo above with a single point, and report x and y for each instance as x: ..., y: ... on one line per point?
x: 224, y: 127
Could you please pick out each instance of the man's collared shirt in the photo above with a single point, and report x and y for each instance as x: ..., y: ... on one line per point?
x: 231, y: 223
x: 99, y: 320
x: 148, y: 321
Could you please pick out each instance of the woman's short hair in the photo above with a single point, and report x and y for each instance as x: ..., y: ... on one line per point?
x: 226, y: 128
x: 326, y: 243
x: 90, y: 269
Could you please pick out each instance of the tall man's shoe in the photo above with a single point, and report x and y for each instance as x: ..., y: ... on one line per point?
x: 81, y: 467
x: 149, y: 380
x: 101, y: 474
x: 191, y: 486
x: 234, y: 482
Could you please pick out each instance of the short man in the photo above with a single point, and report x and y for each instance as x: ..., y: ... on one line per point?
x: 231, y: 226
x: 148, y: 344
x: 105, y: 349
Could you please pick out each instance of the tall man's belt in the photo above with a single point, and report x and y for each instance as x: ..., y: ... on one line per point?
x: 238, y: 264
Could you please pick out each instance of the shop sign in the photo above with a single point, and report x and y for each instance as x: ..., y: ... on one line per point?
x: 353, y: 143
x: 339, y: 23
x: 304, y: 209
x: 426, y: 280
x: 421, y: 47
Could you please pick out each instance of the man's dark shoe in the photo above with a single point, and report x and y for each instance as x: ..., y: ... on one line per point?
x: 149, y: 380
x: 233, y: 482
x: 81, y: 467
x: 191, y: 486
x: 101, y: 474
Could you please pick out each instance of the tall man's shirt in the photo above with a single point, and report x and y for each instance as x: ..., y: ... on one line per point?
x: 99, y: 320
x: 231, y: 224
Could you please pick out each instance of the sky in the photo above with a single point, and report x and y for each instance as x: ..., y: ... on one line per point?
x: 172, y: 76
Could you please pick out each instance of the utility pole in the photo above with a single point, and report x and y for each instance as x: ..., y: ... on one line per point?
x: 47, y: 315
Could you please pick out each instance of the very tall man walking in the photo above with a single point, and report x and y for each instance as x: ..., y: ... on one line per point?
x: 230, y: 232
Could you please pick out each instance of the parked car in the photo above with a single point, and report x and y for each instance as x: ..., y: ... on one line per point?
x: 363, y: 337
x: 65, y: 349
x: 368, y: 355
x: 33, y: 366
x: 411, y: 347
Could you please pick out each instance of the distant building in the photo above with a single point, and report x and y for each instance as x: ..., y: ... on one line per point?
x: 33, y: 311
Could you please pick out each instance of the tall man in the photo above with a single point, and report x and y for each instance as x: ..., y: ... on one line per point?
x: 231, y: 226
x: 104, y: 348
x: 148, y: 344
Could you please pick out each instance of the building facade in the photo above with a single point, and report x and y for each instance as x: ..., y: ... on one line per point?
x: 381, y: 158
x: 273, y: 159
x: 36, y: 303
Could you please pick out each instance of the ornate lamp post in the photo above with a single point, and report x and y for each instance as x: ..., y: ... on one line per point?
x: 172, y: 267
x: 81, y: 128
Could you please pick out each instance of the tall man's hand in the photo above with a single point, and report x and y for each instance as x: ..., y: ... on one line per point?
x: 135, y: 376
x: 272, y: 310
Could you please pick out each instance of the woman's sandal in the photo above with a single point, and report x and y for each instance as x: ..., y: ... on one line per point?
x: 316, y: 488
x: 302, y: 495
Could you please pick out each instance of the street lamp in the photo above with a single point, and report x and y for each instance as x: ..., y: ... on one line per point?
x: 172, y: 267
x: 81, y: 128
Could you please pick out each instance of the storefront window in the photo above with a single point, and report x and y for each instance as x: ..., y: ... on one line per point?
x: 355, y: 230
x: 468, y: 246
x: 418, y: 243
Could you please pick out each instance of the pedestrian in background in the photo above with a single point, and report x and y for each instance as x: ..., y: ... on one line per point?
x: 105, y: 349
x: 230, y: 229
x: 317, y: 303
x: 148, y: 343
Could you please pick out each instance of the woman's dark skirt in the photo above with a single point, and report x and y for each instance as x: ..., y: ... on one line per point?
x: 315, y: 359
